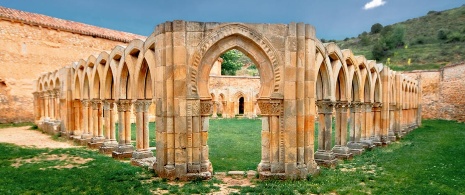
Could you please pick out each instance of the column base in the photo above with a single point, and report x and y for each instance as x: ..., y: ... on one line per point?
x: 326, y: 158
x: 392, y: 138
x: 367, y: 144
x: 264, y: 166
x: 123, y: 151
x: 342, y: 152
x: 144, y: 162
x: 376, y: 140
x: 385, y: 140
x: 108, y: 147
x: 141, y: 154
x: 96, y: 142
x: 82, y: 141
x: 356, y: 148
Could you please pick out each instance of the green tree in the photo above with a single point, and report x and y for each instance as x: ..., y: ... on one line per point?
x: 376, y: 28
x: 231, y: 62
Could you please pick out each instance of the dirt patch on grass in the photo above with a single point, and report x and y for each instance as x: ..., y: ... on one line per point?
x: 64, y: 161
x: 31, y: 138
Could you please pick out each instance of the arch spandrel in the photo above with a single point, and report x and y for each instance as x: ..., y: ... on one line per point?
x: 247, y: 40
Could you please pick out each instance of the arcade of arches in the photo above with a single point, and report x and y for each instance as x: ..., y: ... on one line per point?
x: 302, y: 82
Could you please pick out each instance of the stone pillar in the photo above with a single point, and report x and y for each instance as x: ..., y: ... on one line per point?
x: 57, y: 104
x: 205, y: 112
x: 78, y: 120
x: 376, y: 130
x: 110, y: 143
x: 124, y: 149
x: 264, y: 165
x: 215, y: 109
x: 224, y: 113
x: 46, y: 104
x: 85, y: 120
x: 392, y: 118
x: 355, y: 132
x: 366, y: 124
x: 325, y: 156
x: 51, y: 104
x: 340, y: 149
x: 97, y: 115
x: 142, y: 130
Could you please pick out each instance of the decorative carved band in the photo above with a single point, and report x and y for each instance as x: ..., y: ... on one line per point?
x: 368, y: 106
x: 96, y: 103
x: 325, y: 106
x: 142, y: 105
x: 206, y: 107
x: 124, y: 105
x: 85, y: 103
x: 377, y: 104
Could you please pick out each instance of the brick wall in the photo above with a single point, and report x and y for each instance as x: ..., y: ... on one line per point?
x: 443, y: 92
x: 26, y: 52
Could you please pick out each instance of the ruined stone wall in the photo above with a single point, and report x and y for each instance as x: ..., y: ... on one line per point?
x: 443, y: 92
x: 26, y: 51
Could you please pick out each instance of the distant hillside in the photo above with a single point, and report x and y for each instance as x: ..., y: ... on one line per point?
x: 427, y: 42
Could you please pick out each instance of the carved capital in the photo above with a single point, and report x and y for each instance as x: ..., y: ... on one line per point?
x: 377, y: 104
x: 124, y: 105
x: 96, y: 103
x: 270, y: 107
x: 368, y: 106
x: 36, y: 94
x: 206, y: 107
x: 85, y: 103
x: 342, y: 106
x: 224, y: 103
x: 325, y: 106
x: 142, y: 105
x: 108, y: 104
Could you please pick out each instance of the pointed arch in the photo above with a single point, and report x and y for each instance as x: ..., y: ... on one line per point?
x: 248, y: 41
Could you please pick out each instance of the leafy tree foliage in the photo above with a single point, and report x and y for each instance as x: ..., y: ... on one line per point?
x: 231, y: 62
x: 376, y: 28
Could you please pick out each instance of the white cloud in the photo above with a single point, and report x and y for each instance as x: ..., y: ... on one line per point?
x: 373, y: 4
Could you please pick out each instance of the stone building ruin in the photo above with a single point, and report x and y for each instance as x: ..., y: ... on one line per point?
x: 301, y: 79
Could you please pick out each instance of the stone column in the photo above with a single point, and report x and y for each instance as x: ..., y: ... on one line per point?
x: 366, y: 125
x: 57, y: 104
x: 78, y: 120
x: 46, y: 104
x: 224, y: 113
x: 205, y: 111
x: 355, y: 132
x: 264, y: 165
x: 97, y: 115
x: 110, y: 142
x: 124, y: 149
x: 376, y: 130
x: 340, y: 149
x: 142, y: 130
x: 325, y: 156
x: 215, y: 109
x: 85, y: 120
x: 51, y: 104
x: 392, y: 118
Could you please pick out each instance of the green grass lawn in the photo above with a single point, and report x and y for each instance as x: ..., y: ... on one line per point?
x: 8, y: 125
x: 235, y: 144
x: 429, y: 160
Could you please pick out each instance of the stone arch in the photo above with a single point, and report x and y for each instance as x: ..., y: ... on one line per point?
x: 366, y: 81
x: 86, y: 87
x: 144, y: 82
x: 103, y: 62
x: 324, y: 88
x: 248, y: 41
x: 110, y: 72
x: 339, y: 68
x: 125, y: 83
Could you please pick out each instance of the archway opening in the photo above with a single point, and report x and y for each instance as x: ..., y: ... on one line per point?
x: 241, y: 105
x: 233, y: 83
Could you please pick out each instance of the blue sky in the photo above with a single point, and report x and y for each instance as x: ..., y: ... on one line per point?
x: 333, y: 19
